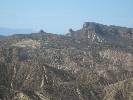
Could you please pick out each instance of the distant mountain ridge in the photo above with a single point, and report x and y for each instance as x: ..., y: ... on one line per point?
x: 9, y: 31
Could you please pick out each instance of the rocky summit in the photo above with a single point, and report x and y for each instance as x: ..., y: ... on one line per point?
x: 92, y: 63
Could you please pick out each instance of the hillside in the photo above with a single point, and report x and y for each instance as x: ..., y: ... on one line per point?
x: 92, y: 63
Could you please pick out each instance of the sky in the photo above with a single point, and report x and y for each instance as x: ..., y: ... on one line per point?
x: 57, y: 16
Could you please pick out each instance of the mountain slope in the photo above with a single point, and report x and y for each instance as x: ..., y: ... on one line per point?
x: 87, y: 64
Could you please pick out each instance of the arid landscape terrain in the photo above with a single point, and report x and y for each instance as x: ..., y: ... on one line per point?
x: 92, y: 63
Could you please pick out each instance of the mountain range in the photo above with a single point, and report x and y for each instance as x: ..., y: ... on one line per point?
x: 92, y: 63
x: 9, y: 31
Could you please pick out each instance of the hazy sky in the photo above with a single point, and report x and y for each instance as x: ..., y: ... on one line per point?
x: 58, y: 16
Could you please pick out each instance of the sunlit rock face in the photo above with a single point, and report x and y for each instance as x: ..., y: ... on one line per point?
x: 87, y: 34
x: 92, y: 63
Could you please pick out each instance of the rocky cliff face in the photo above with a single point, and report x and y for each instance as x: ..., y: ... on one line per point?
x: 93, y: 63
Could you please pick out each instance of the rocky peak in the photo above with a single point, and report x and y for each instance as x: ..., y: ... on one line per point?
x: 92, y: 32
x: 90, y: 28
x: 89, y: 25
x: 88, y: 33
x: 42, y: 31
